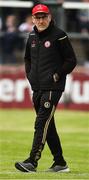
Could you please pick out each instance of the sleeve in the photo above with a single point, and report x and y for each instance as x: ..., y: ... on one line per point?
x: 27, y: 58
x: 67, y: 53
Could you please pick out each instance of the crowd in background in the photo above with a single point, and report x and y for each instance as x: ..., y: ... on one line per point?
x: 12, y: 39
x: 16, y: 24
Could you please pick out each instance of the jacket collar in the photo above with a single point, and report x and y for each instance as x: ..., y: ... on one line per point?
x: 45, y: 32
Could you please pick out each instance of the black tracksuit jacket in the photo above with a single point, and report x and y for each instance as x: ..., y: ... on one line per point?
x: 47, y: 53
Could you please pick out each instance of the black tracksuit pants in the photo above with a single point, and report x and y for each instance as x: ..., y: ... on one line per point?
x: 45, y: 103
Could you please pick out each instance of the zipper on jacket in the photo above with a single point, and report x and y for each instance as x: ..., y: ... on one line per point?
x: 37, y: 62
x: 50, y: 95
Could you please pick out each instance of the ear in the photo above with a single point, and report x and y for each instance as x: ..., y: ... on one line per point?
x: 50, y: 17
x: 33, y: 20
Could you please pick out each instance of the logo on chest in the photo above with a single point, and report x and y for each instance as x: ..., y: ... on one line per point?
x: 47, y: 44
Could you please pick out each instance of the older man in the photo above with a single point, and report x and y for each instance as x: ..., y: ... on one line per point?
x: 49, y: 57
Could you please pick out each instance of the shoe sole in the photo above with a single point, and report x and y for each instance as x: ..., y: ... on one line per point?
x: 20, y: 167
x: 64, y: 170
x: 60, y: 171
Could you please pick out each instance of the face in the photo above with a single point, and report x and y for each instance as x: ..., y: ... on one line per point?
x: 11, y: 21
x: 41, y: 21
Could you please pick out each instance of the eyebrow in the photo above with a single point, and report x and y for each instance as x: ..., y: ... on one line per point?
x: 42, y: 16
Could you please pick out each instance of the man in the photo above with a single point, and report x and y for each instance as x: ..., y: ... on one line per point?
x: 49, y: 57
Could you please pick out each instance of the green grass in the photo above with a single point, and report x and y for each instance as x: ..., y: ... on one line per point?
x: 16, y: 133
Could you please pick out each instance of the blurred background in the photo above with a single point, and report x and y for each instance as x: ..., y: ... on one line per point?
x: 16, y: 108
x: 15, y: 24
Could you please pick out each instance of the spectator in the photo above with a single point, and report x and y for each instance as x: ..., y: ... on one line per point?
x: 83, y: 19
x: 10, y: 41
x: 26, y: 26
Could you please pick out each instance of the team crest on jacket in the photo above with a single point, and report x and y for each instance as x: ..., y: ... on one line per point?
x: 47, y: 104
x: 47, y: 44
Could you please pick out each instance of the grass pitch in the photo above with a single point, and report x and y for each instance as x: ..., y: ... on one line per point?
x: 16, y: 133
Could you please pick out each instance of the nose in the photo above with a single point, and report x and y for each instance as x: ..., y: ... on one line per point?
x: 41, y: 19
